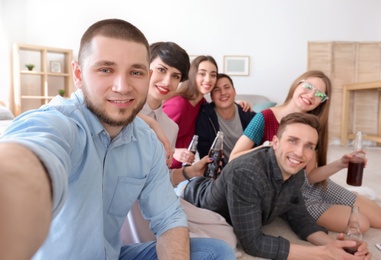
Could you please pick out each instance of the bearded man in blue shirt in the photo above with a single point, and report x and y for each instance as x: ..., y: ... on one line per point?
x: 71, y: 170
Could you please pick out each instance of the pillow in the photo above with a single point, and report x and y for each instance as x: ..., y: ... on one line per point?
x: 5, y: 114
x: 262, y: 106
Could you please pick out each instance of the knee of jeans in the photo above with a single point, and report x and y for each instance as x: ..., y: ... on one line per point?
x: 211, y: 248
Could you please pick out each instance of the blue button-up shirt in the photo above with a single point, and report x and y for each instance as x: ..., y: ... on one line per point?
x: 95, y: 180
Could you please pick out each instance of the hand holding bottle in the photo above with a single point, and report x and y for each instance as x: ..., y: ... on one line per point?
x: 216, y: 152
x: 342, y: 243
x: 352, y: 232
x: 188, y: 156
x: 346, y: 158
x: 184, y: 156
x: 199, y: 167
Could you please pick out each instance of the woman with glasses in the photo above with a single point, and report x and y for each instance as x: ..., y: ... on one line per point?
x: 328, y: 203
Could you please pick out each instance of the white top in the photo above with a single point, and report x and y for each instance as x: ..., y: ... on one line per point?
x: 169, y: 127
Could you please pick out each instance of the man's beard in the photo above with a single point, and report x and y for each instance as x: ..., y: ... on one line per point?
x: 104, y: 118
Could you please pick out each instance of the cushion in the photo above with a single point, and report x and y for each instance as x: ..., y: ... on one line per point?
x: 262, y: 106
x: 5, y: 114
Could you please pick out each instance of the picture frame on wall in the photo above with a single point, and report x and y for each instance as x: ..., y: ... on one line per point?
x: 55, y: 66
x: 236, y: 65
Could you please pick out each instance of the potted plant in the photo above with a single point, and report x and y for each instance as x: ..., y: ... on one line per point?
x: 29, y: 66
x: 61, y: 92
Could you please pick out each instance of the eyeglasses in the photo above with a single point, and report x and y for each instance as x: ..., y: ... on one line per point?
x: 309, y: 88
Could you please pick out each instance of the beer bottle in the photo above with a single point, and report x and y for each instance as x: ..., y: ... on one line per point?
x: 192, y: 147
x: 357, y: 163
x: 216, y: 151
x: 352, y: 232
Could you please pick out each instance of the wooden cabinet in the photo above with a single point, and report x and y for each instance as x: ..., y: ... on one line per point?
x: 50, y: 76
x: 347, y: 63
x: 372, y: 113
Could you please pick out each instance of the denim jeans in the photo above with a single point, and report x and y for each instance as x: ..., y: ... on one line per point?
x: 200, y: 249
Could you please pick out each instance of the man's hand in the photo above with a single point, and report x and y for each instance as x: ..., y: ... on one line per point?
x: 329, y: 248
x: 335, y: 250
x: 362, y: 249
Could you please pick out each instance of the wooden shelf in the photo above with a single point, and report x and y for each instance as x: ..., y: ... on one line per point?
x: 37, y: 87
x: 37, y: 97
x: 56, y: 74
x: 26, y: 72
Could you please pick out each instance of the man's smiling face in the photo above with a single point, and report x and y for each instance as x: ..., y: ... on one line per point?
x: 295, y: 148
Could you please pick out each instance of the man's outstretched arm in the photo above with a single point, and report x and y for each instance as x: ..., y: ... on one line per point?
x: 173, y: 244
x: 25, y: 202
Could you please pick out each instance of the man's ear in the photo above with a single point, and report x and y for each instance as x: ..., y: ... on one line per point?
x: 275, y: 142
x: 77, y: 74
x: 211, y: 96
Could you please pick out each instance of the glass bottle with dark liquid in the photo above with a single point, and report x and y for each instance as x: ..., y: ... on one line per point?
x: 192, y: 147
x: 357, y: 163
x: 352, y: 232
x: 215, y: 152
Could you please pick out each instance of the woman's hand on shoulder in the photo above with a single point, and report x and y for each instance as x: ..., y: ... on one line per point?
x: 244, y: 105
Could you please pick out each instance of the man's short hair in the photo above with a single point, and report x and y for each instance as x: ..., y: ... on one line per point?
x: 298, y: 118
x: 113, y: 28
x: 222, y: 75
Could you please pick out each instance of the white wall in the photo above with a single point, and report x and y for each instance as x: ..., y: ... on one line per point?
x: 12, y: 14
x: 274, y: 33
